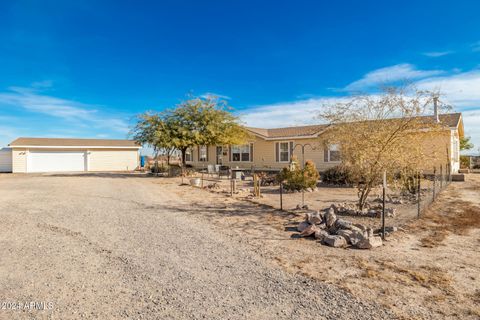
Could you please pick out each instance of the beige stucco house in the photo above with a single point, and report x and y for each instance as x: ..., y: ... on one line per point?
x: 273, y: 148
x: 72, y: 155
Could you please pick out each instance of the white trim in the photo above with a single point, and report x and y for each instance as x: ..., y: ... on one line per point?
x: 289, y: 151
x: 73, y: 147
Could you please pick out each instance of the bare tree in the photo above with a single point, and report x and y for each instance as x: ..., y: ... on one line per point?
x: 378, y: 133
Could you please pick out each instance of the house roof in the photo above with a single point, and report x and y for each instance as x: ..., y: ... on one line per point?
x: 61, y: 142
x: 452, y: 120
x: 300, y: 131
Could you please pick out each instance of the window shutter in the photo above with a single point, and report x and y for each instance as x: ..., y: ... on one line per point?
x: 325, y: 154
x: 198, y: 153
x: 277, y: 151
x: 251, y: 152
x: 291, y: 150
x: 206, y: 150
x: 230, y: 153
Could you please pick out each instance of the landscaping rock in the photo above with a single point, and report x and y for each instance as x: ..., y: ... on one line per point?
x: 346, y: 234
x: 302, y: 226
x: 315, y: 218
x: 343, y: 224
x: 321, y: 234
x: 335, y: 241
x: 330, y: 218
x: 369, y: 232
x: 369, y: 243
x: 309, y: 230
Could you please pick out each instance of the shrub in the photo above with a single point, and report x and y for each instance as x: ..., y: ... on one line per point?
x: 294, y: 178
x: 337, y: 175
x: 464, y: 162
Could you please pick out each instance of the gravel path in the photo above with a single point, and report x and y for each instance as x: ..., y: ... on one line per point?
x: 118, y: 247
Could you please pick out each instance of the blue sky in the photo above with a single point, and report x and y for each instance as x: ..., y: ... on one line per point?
x: 85, y: 68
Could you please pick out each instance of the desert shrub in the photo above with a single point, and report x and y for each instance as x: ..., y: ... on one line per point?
x: 336, y: 175
x: 407, y: 180
x: 295, y: 178
x: 464, y: 162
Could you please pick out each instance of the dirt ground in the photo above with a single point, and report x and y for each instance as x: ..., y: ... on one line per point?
x: 429, y: 271
x: 126, y: 246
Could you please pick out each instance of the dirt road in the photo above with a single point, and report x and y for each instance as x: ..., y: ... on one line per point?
x: 118, y: 246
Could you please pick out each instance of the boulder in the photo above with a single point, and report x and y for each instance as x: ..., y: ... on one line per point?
x: 315, y: 218
x: 343, y: 224
x: 330, y: 218
x: 335, y: 241
x: 369, y: 243
x: 345, y: 233
x: 321, y: 234
x: 302, y: 226
x: 309, y: 230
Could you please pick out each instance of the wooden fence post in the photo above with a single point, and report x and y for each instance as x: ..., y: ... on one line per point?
x: 419, y: 197
x: 281, y: 196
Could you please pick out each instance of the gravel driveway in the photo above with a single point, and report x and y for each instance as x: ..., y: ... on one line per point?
x: 120, y: 246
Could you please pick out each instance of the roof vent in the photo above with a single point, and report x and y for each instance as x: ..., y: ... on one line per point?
x: 435, y: 108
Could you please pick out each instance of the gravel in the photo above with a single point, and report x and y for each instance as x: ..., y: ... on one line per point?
x: 124, y: 247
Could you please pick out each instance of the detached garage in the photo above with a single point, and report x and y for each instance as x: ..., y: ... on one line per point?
x: 73, y: 155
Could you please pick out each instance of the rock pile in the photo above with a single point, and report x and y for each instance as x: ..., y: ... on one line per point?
x: 374, y: 211
x: 336, y: 232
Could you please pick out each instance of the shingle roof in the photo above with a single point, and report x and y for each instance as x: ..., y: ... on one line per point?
x: 61, y: 142
x: 300, y: 131
x: 450, y: 119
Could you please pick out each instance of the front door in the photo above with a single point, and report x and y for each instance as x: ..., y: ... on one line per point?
x: 219, y: 155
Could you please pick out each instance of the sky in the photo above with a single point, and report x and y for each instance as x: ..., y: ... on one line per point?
x: 86, y: 68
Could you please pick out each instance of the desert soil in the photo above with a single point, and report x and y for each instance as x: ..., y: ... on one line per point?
x: 430, y: 270
x: 114, y: 246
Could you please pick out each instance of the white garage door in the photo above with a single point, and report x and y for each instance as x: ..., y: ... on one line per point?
x: 5, y: 160
x: 56, y: 161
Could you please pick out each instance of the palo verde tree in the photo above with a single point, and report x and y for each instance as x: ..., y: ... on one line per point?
x: 378, y: 133
x: 154, y: 130
x: 203, y: 121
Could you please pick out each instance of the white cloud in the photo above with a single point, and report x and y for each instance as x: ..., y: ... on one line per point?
x: 461, y: 90
x: 81, y: 114
x: 287, y: 114
x: 383, y: 76
x: 436, y: 54
x: 214, y: 95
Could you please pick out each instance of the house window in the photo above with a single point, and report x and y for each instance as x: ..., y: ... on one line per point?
x: 188, y: 155
x: 284, y: 151
x: 334, y: 153
x: 202, y: 153
x: 241, y: 152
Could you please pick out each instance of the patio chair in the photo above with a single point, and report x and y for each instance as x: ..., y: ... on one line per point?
x: 210, y: 169
x: 224, y: 171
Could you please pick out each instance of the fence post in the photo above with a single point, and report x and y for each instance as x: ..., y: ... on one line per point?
x: 202, y: 181
x: 434, y: 182
x: 441, y: 177
x: 383, y: 208
x: 419, y: 199
x: 281, y: 196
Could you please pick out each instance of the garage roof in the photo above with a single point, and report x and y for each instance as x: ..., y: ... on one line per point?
x: 61, y: 142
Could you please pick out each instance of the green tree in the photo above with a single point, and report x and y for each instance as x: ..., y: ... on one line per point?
x: 465, y: 143
x: 204, y: 121
x: 154, y: 130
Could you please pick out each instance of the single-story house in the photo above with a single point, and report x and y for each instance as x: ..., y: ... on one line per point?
x: 272, y: 149
x: 26, y: 155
